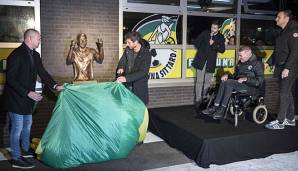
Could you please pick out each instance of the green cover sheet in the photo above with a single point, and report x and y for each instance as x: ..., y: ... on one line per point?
x: 93, y: 123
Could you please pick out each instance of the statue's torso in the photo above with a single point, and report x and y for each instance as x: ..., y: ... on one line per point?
x: 83, y: 64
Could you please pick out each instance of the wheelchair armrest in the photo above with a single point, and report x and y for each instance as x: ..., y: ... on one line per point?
x: 240, y: 92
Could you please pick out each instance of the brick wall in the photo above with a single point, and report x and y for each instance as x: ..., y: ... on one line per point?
x: 171, y: 96
x: 61, y: 21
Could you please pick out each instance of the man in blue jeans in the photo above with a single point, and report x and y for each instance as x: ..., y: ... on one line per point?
x: 23, y: 66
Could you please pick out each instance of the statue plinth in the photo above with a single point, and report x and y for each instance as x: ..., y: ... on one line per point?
x: 84, y: 82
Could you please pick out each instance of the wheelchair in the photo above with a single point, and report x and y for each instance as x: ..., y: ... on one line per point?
x: 240, y: 102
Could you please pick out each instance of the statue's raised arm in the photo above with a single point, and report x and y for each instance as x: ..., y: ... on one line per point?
x: 70, y: 55
x: 99, y: 56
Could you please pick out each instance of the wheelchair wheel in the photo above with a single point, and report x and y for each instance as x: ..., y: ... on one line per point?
x: 234, y: 110
x: 236, y: 120
x: 260, y: 114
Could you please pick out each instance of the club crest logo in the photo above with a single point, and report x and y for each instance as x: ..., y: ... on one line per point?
x: 160, y: 29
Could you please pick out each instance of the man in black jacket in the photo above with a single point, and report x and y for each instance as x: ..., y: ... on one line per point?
x: 23, y: 66
x: 285, y: 59
x: 208, y: 44
x: 134, y: 65
x: 248, y: 76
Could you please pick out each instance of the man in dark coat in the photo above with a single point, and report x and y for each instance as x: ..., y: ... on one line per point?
x: 23, y: 66
x: 248, y: 76
x: 134, y: 65
x: 208, y: 44
x: 285, y: 59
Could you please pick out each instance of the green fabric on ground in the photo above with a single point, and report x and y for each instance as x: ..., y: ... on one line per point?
x: 92, y: 123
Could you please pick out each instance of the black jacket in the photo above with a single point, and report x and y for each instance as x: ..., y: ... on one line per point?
x: 253, y: 70
x: 286, y: 51
x: 208, y: 53
x: 21, y: 76
x: 136, y: 70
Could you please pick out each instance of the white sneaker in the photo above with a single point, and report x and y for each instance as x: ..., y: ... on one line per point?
x: 275, y: 125
x: 289, y: 122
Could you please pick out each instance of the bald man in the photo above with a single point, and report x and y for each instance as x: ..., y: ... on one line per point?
x: 285, y: 59
x: 23, y: 66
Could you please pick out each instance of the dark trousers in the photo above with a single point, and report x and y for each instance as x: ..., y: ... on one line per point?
x: 225, y: 91
x: 286, y: 100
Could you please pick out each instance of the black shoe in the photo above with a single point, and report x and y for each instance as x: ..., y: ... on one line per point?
x: 27, y: 154
x: 21, y: 164
x: 27, y: 161
x: 219, y: 113
x: 198, y: 104
x: 210, y: 111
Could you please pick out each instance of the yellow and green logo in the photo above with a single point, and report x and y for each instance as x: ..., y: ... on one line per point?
x: 160, y: 29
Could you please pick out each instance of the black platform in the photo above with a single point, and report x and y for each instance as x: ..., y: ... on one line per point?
x: 218, y: 142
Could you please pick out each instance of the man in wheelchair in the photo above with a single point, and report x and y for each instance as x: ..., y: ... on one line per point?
x: 248, y: 77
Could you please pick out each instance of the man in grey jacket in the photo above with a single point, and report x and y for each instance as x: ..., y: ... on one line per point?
x: 134, y: 65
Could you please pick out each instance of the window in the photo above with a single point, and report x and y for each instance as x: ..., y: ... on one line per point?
x: 218, y: 6
x: 158, y: 30
x: 161, y: 24
x: 197, y: 24
x: 14, y: 20
x: 155, y: 28
x: 264, y: 7
x: 4, y: 52
x: 163, y: 2
x: 16, y: 16
x: 258, y: 32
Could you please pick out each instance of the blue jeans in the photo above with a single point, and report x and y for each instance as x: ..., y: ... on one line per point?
x: 20, y: 126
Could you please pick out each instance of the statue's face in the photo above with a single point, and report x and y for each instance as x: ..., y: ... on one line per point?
x: 82, y: 42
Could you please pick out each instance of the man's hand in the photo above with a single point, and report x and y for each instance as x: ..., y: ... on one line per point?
x: 211, y: 42
x: 241, y: 80
x: 121, y: 79
x: 120, y: 71
x: 59, y: 88
x: 34, y: 96
x: 266, y: 65
x: 285, y: 73
x: 224, y: 77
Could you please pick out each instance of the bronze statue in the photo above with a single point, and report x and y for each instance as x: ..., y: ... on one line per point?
x: 82, y: 57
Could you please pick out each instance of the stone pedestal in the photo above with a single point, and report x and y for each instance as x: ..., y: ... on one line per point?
x: 84, y: 82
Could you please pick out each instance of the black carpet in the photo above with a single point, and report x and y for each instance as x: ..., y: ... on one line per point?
x: 218, y: 142
x: 143, y: 157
